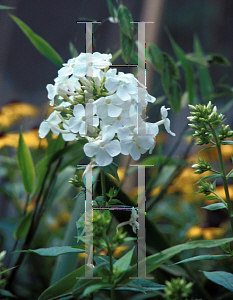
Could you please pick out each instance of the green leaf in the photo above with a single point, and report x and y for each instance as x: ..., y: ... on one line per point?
x: 175, y: 94
x: 227, y: 142
x: 123, y: 263
x: 54, y: 251
x: 154, y: 261
x: 40, y: 44
x: 26, y: 165
x: 62, y: 286
x: 7, y: 270
x: 203, y: 257
x: 155, y: 56
x: 208, y: 148
x: 94, y: 287
x: 125, y: 19
x: 218, y: 59
x: 111, y: 169
x: 127, y: 45
x: 23, y: 227
x: 73, y: 50
x: 112, y: 10
x: 206, y: 84
x: 214, y: 176
x: 187, y: 69
x: 222, y: 278
x: 173, y: 70
x: 215, y: 206
x: 211, y: 198
x: 6, y: 7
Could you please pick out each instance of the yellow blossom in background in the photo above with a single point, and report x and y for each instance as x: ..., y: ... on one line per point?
x: 31, y: 139
x: 207, y: 233
x: 12, y: 112
x: 185, y: 184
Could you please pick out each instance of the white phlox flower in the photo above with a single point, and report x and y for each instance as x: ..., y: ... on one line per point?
x: 133, y: 143
x: 104, y: 106
x: 83, y: 117
x: 104, y: 148
x: 165, y: 120
x: 132, y: 221
x: 50, y: 124
x: 125, y: 85
x: 111, y: 104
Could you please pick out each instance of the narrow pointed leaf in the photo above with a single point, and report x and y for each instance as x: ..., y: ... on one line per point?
x: 203, y: 257
x: 214, y: 176
x: 6, y: 7
x: 112, y: 170
x: 23, y: 227
x: 62, y: 286
x: 187, y: 69
x: 54, y: 251
x: 215, y: 206
x: 155, y: 56
x: 206, y: 85
x: 175, y: 94
x: 38, y: 42
x: 125, y: 19
x: 26, y: 165
x: 154, y: 261
x: 222, y: 278
x: 123, y: 263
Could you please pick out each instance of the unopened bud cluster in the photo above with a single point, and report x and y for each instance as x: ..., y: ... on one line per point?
x: 202, y: 166
x: 204, y: 119
x: 177, y: 289
x: 206, y: 187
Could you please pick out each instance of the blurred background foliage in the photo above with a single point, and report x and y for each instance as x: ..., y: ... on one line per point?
x: 172, y: 202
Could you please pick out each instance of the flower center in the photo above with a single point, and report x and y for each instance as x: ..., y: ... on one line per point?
x: 84, y: 118
x: 102, y: 144
x: 119, y: 118
x: 108, y: 101
x: 90, y: 64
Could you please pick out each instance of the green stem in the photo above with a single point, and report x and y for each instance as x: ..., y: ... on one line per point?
x: 111, y: 280
x: 224, y: 178
x: 103, y: 186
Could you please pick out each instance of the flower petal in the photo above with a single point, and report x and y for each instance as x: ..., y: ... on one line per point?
x: 103, y: 158
x: 113, y: 148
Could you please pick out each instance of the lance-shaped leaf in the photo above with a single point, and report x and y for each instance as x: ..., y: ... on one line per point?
x: 62, y: 286
x: 206, y: 84
x: 39, y: 43
x: 223, y: 278
x: 175, y: 94
x: 203, y: 257
x: 26, y: 165
x: 23, y: 227
x: 6, y: 7
x: 187, y: 69
x: 111, y: 169
x: 154, y: 261
x: 215, y: 206
x: 125, y: 20
x: 54, y: 251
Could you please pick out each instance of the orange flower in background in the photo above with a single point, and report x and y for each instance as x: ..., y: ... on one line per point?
x: 207, y: 233
x: 31, y: 139
x: 12, y: 112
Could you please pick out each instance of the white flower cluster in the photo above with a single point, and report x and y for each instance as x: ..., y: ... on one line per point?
x: 103, y: 106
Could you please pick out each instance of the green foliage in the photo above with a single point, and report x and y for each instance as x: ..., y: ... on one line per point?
x: 26, y: 165
x: 23, y: 227
x: 40, y: 44
x: 222, y: 278
x: 54, y: 251
x: 127, y: 40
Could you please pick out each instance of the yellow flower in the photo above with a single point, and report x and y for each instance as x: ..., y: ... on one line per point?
x: 31, y: 139
x: 13, y: 112
x: 207, y: 233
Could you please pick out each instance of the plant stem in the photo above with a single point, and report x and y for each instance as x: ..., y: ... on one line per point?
x: 103, y: 186
x: 110, y: 266
x: 224, y: 178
